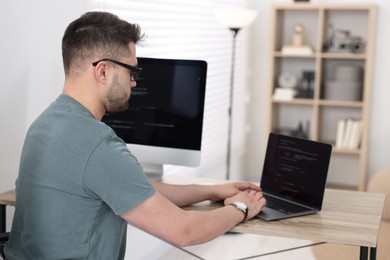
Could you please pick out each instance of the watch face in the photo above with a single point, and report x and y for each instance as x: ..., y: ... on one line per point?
x: 287, y: 80
x: 241, y: 205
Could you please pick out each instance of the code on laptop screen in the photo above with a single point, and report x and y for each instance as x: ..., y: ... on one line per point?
x: 296, y: 168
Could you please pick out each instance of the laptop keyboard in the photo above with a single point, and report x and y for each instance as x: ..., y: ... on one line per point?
x: 283, y: 206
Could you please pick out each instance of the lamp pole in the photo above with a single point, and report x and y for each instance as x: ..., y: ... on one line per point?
x: 234, y: 19
x: 230, y: 111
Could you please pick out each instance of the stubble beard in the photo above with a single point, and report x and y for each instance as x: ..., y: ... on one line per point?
x: 117, y: 97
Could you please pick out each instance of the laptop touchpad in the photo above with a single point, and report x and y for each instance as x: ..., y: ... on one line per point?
x: 269, y: 214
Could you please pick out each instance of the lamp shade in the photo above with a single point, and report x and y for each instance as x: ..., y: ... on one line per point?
x: 236, y: 18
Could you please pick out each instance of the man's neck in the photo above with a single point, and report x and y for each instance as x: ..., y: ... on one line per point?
x: 88, y: 100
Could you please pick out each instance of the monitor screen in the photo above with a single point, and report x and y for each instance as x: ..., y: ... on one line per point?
x: 165, y: 116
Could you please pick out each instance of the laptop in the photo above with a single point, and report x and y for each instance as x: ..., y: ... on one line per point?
x: 294, y: 176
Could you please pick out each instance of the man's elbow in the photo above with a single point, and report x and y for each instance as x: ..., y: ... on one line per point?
x: 184, y: 237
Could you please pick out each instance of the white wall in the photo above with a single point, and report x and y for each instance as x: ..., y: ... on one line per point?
x: 379, y: 140
x: 31, y: 70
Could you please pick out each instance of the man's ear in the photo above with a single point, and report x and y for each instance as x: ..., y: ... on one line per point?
x: 100, y: 72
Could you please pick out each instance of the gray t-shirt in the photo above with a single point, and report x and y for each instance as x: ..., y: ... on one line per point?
x: 75, y: 178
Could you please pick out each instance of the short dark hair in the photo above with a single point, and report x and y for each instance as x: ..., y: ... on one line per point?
x: 97, y: 34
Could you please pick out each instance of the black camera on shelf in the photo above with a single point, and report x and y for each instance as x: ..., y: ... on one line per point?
x: 342, y: 40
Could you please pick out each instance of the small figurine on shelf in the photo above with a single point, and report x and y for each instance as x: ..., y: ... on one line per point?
x: 286, y: 90
x: 298, y: 35
x: 343, y: 41
x: 301, y: 132
x: 306, y: 89
x: 297, y: 47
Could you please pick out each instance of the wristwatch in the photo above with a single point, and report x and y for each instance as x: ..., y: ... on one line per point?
x: 243, y: 207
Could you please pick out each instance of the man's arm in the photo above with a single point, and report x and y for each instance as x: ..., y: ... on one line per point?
x: 162, y: 218
x: 184, y: 195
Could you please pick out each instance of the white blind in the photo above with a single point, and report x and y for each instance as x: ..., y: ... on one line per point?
x: 189, y: 30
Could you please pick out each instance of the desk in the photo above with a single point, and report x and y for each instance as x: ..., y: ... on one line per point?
x: 6, y: 198
x: 347, y: 217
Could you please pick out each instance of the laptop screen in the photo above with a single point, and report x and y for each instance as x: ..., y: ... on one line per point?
x: 296, y: 169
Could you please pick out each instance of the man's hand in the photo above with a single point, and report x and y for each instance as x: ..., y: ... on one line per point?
x: 252, y: 198
x: 223, y: 191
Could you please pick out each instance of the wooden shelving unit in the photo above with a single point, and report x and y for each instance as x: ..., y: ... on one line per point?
x: 319, y: 113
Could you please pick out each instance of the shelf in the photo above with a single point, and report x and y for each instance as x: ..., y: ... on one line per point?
x: 315, y: 7
x: 340, y: 103
x: 343, y: 55
x: 295, y: 101
x: 323, y: 102
x: 342, y: 150
x: 346, y: 151
x: 340, y: 77
x: 324, y: 55
x: 279, y: 54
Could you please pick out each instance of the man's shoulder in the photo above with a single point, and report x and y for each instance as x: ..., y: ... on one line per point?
x: 67, y: 120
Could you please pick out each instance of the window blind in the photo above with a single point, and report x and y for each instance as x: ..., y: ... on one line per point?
x: 179, y: 29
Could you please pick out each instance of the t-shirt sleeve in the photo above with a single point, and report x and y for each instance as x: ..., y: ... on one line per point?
x: 115, y: 176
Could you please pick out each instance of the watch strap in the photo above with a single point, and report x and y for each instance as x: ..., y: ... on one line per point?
x: 241, y: 206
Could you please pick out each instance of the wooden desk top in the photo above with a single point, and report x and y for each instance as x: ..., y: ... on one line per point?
x: 347, y: 217
x: 7, y: 198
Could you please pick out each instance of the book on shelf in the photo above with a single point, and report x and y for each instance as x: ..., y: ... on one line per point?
x: 349, y: 133
x: 284, y: 93
x: 297, y: 50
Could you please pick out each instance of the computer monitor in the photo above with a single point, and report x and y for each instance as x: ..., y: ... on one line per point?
x: 163, y: 124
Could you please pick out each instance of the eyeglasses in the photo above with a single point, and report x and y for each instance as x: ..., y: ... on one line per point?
x: 134, y: 71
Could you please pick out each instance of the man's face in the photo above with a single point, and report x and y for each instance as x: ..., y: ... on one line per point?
x: 119, y: 92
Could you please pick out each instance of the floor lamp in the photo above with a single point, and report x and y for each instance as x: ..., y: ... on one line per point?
x: 233, y: 19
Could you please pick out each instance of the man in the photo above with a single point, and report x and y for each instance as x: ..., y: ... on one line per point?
x: 79, y: 186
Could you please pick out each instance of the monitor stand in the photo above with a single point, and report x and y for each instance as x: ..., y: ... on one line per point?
x: 153, y: 171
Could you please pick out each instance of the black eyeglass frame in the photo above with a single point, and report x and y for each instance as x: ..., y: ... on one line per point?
x: 135, y: 71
